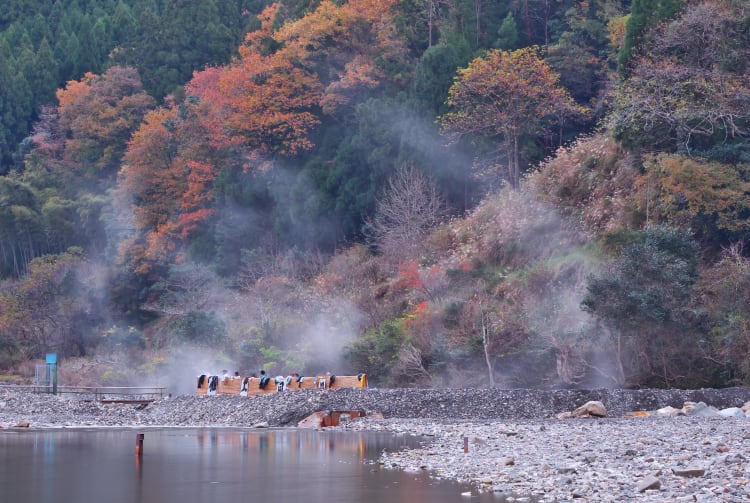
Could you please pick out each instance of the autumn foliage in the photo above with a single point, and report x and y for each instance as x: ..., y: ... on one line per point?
x: 506, y: 95
x: 169, y: 169
x: 299, y: 200
x: 265, y: 104
x: 271, y: 98
x: 709, y: 197
x: 97, y: 114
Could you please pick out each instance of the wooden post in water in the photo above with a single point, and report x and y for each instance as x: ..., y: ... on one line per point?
x: 139, y: 445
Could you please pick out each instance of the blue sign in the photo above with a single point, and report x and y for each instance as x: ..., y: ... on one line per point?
x: 51, y: 358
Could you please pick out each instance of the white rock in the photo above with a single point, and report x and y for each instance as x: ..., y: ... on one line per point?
x: 649, y: 482
x: 699, y: 409
x: 732, y: 412
x: 668, y: 411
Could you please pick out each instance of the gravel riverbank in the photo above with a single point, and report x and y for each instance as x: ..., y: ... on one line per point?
x: 514, y: 443
x: 683, y: 459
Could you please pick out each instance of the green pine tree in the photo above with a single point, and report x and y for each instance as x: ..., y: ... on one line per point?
x: 44, y: 77
x: 644, y: 14
x: 507, y: 35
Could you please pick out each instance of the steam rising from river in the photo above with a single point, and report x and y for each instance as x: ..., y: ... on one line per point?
x: 270, y: 320
x: 550, y: 259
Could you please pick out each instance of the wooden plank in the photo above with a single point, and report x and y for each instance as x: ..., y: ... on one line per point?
x: 229, y: 386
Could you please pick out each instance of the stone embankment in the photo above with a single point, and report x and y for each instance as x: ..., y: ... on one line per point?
x: 288, y: 408
x: 510, y: 442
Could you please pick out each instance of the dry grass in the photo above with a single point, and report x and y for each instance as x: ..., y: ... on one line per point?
x: 592, y: 181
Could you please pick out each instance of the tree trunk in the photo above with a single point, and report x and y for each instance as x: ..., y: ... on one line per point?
x: 486, y: 345
x: 430, y: 7
x: 620, y: 369
x: 514, y: 167
x: 527, y: 20
x: 478, y: 12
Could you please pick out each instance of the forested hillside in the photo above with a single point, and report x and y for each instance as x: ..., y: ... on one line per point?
x: 512, y: 193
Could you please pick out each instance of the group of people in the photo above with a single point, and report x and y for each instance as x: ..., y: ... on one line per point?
x: 293, y: 380
x: 225, y: 375
x: 282, y: 382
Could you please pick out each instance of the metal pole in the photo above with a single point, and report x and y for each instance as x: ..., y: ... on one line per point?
x: 139, y: 445
x: 54, y: 378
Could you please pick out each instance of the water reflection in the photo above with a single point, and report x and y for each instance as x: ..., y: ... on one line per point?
x: 209, y: 465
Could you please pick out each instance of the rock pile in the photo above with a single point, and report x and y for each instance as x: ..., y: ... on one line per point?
x: 700, y: 409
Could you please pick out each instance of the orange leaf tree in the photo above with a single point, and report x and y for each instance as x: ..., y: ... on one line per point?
x: 262, y: 102
x: 506, y: 95
x: 168, y: 178
x: 357, y: 41
x: 265, y: 104
x: 270, y: 99
x: 97, y: 116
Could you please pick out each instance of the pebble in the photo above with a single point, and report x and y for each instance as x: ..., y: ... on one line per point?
x: 608, y: 459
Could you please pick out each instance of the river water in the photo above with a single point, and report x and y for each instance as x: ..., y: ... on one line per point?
x: 212, y: 466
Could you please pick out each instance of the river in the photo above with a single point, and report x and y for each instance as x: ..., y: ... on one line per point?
x: 212, y: 466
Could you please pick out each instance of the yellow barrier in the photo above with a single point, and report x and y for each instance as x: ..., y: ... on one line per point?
x: 250, y: 386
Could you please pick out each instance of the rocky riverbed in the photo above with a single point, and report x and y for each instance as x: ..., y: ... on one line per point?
x: 683, y: 459
x: 505, y: 441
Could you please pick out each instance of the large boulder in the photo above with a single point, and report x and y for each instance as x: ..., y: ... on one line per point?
x: 593, y: 408
x: 668, y: 411
x: 732, y: 412
x: 690, y: 471
x: 314, y: 420
x: 649, y: 482
x: 699, y: 409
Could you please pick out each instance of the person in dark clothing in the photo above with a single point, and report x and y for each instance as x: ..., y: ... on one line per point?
x: 263, y: 380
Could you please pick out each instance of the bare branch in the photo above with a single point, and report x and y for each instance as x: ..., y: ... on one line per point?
x: 410, y: 205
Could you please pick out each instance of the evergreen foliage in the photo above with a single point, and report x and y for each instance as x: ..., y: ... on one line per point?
x: 50, y: 43
x: 644, y: 14
x: 644, y: 298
